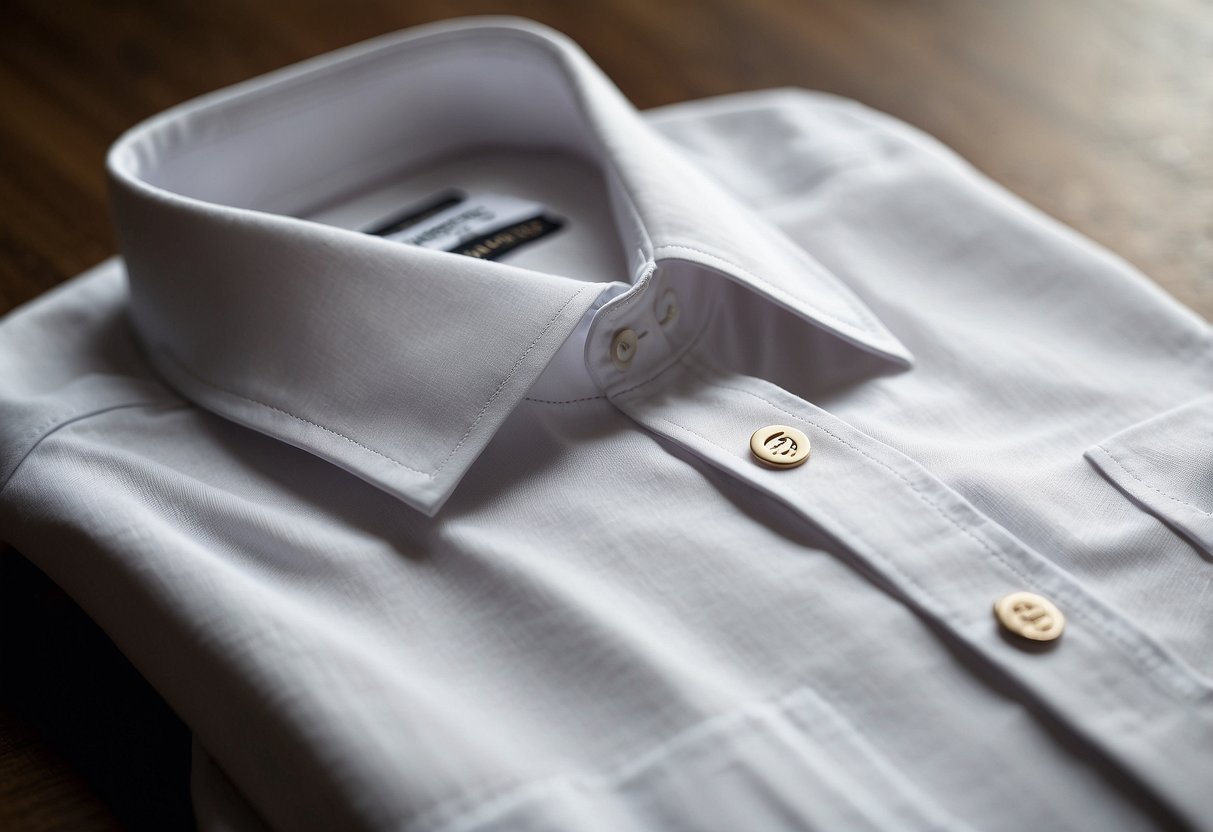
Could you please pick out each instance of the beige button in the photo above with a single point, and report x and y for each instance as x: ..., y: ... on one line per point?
x: 666, y: 308
x: 623, y: 348
x: 1030, y: 615
x: 780, y: 445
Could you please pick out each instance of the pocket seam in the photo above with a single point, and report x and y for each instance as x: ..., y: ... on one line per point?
x: 1120, y: 464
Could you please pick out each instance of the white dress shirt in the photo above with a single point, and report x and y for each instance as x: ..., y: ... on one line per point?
x: 465, y: 524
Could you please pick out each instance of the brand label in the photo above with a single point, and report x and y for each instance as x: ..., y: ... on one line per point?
x: 483, y: 225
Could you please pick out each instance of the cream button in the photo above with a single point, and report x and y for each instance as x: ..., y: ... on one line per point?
x: 623, y: 348
x: 780, y: 445
x: 666, y: 308
x: 1030, y: 615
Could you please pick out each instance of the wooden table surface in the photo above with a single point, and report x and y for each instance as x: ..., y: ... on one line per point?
x: 1100, y: 112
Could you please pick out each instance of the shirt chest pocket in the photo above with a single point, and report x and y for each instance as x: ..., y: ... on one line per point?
x: 1165, y: 465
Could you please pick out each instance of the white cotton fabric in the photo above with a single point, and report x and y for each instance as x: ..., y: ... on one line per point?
x: 407, y: 549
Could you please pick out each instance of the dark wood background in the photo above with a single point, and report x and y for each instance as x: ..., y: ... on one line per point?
x: 1100, y: 112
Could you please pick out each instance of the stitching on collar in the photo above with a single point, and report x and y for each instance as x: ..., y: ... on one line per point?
x: 429, y: 474
x: 510, y: 375
x: 166, y: 355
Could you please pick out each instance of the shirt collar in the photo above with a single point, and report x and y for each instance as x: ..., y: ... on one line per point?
x: 394, y: 362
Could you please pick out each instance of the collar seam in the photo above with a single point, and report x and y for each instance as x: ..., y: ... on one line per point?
x: 510, y: 374
x: 433, y: 474
x: 200, y: 380
x: 566, y: 401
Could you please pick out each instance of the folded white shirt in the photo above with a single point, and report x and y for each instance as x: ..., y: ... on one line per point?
x: 456, y: 448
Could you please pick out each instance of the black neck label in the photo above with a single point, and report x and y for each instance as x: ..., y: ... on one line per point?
x: 485, y: 225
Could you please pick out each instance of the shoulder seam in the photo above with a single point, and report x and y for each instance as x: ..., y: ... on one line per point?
x: 46, y: 429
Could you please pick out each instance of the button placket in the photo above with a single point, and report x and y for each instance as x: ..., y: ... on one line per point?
x: 950, y: 563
